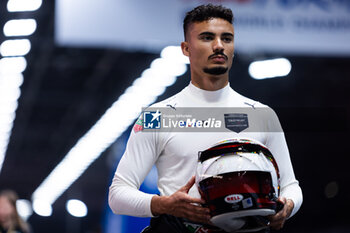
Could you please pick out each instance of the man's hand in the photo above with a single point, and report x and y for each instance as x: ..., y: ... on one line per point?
x: 277, y: 221
x: 180, y: 204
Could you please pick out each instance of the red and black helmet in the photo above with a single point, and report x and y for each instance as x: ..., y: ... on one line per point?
x: 239, y: 180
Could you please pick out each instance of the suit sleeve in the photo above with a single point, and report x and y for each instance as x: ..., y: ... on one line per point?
x: 124, y: 195
x: 276, y: 142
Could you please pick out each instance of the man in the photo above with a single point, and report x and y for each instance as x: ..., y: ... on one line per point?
x: 10, y: 221
x: 209, y: 44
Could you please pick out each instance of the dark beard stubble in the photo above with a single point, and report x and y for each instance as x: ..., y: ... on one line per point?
x: 216, y: 70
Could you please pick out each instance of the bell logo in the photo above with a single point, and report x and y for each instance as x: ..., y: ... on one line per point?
x: 233, y: 198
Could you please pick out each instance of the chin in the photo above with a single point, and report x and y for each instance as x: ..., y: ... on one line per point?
x: 216, y: 70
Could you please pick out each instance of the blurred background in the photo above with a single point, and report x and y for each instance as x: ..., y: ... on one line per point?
x: 75, y: 74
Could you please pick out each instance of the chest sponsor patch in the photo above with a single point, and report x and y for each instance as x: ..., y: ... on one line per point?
x: 236, y: 122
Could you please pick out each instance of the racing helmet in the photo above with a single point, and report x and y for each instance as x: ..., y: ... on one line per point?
x: 239, y: 180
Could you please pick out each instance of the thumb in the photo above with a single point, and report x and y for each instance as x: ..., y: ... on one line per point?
x: 189, y: 184
x: 283, y: 200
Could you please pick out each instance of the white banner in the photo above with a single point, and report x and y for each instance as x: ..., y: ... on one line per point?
x: 314, y: 27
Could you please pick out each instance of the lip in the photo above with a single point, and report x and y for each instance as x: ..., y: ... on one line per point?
x: 219, y: 59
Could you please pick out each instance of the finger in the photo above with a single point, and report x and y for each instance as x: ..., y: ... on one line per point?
x: 199, y: 219
x: 194, y: 209
x: 197, y: 214
x: 197, y: 209
x: 277, y: 225
x: 189, y: 185
x: 277, y: 221
x: 277, y: 217
x: 283, y: 200
x: 280, y: 214
x: 188, y: 199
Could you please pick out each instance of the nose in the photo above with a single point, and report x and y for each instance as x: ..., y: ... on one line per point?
x: 218, y: 45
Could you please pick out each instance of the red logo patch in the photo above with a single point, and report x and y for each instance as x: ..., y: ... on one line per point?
x: 138, y: 125
x: 233, y: 198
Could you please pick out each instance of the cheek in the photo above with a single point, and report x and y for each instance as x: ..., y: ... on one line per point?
x: 230, y: 51
x: 199, y: 55
x: 5, y: 211
x: 5, y: 214
x: 200, y: 50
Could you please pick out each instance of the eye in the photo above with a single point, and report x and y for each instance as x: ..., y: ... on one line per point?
x: 227, y: 39
x: 206, y: 37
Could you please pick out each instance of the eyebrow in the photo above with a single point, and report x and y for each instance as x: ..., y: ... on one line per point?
x: 228, y: 34
x: 213, y: 34
x: 206, y: 34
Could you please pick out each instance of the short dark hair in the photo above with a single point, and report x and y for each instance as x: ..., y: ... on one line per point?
x: 205, y: 12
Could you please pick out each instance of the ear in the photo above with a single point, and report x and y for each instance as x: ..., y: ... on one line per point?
x: 185, y: 49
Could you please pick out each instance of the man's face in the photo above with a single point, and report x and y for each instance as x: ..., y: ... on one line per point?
x: 6, y: 210
x: 209, y: 46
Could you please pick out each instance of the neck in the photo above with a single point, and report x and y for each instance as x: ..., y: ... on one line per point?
x: 210, y: 83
